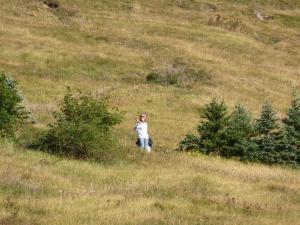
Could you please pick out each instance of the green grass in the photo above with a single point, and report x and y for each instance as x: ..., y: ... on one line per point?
x: 108, y: 48
x: 290, y: 21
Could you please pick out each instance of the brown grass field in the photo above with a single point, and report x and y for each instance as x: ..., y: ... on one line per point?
x: 108, y: 48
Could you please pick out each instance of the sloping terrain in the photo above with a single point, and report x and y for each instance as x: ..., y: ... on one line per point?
x: 242, y: 51
x: 172, y: 188
x: 109, y: 47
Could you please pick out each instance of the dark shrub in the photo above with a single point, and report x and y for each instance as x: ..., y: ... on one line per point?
x: 153, y: 77
x: 163, y: 79
x: 12, y: 113
x: 53, y: 4
x: 83, y: 129
x: 179, y: 75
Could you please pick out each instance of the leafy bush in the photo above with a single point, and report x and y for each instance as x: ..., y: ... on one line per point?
x: 83, y: 129
x: 12, y: 113
x: 81, y: 141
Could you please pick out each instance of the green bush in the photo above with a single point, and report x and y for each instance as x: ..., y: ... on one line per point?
x: 83, y: 129
x: 265, y: 141
x: 81, y: 141
x: 12, y: 113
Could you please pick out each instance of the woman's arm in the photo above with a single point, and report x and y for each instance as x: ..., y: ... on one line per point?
x: 136, y: 124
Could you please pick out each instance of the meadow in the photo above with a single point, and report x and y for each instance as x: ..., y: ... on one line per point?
x: 108, y: 48
x: 161, y: 188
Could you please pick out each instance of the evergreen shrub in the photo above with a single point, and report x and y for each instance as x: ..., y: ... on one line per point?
x: 12, y: 113
x: 264, y: 140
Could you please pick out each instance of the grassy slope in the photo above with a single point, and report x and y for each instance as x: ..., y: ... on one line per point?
x: 109, y: 47
x: 158, y: 189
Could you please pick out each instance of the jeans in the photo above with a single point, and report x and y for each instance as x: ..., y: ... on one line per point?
x: 144, y: 144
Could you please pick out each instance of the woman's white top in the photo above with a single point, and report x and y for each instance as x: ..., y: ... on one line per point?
x: 141, y: 129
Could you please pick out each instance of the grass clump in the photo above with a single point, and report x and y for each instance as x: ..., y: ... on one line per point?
x: 287, y: 20
x: 179, y: 75
x: 196, y: 6
x: 53, y: 4
x: 83, y: 129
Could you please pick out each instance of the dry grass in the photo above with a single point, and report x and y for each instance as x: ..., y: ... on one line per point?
x: 160, y: 188
x: 108, y: 47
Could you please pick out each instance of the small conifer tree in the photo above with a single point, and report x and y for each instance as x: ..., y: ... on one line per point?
x: 239, y: 129
x: 267, y: 133
x: 12, y: 113
x: 290, y: 141
x: 268, y: 121
x: 287, y: 148
x: 293, y: 116
x: 212, y: 129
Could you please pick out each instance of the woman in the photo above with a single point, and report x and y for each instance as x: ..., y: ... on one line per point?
x: 141, y: 128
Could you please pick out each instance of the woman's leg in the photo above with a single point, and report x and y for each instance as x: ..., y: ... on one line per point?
x: 142, y: 143
x: 147, y: 147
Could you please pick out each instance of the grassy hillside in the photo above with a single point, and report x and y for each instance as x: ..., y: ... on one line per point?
x: 154, y: 189
x: 108, y: 48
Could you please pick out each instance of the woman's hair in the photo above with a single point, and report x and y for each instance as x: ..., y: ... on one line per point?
x: 143, y: 114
